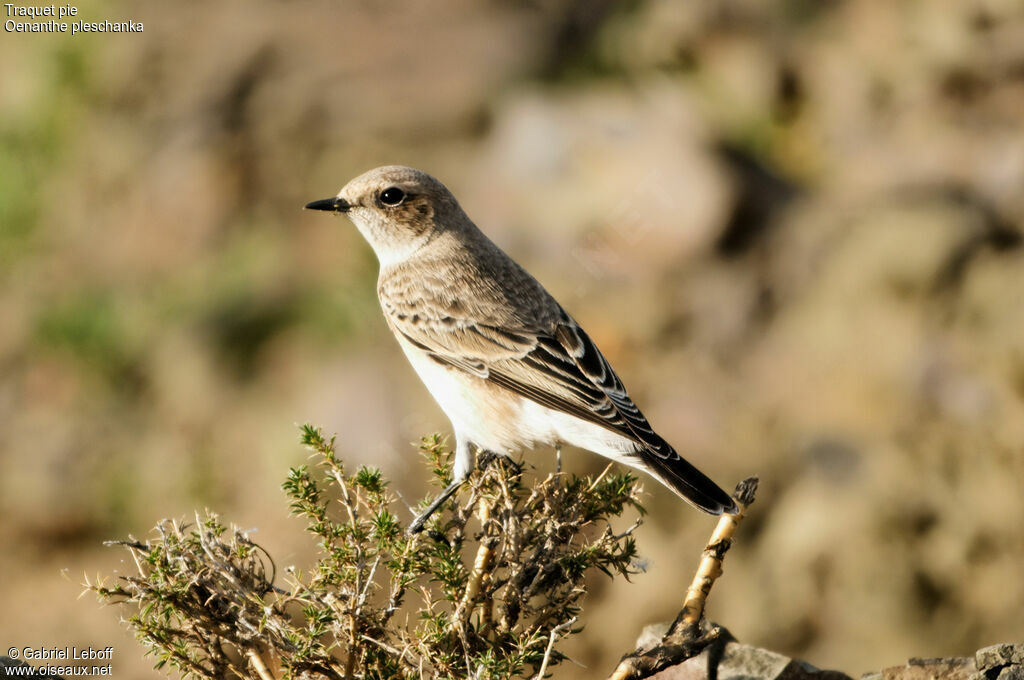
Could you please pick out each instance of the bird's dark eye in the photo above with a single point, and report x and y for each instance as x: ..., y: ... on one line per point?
x: 392, y: 196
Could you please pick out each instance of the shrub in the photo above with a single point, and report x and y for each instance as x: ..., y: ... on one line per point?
x: 486, y: 591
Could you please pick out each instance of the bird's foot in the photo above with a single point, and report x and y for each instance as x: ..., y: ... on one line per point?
x: 487, y: 458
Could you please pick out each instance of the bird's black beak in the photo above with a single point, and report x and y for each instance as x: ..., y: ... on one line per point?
x: 330, y: 205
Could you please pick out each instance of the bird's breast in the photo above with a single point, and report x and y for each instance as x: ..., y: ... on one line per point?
x: 490, y: 416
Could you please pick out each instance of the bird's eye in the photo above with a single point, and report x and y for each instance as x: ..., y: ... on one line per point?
x: 392, y: 196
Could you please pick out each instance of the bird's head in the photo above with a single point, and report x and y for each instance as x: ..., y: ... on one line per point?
x: 397, y: 209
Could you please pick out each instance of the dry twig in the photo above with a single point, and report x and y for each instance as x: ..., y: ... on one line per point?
x: 685, y: 637
x: 555, y: 632
x: 257, y: 663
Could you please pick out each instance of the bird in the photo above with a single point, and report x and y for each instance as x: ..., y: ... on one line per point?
x: 510, y: 368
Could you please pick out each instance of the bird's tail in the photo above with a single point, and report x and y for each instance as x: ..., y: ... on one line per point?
x: 691, y: 484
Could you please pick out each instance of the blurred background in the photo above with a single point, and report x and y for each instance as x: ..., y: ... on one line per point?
x: 794, y: 227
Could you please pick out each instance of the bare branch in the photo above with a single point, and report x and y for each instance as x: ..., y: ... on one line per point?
x: 686, y: 637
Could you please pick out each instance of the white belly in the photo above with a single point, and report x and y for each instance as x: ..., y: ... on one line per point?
x: 501, y: 421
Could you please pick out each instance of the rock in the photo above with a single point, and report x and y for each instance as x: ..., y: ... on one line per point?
x: 652, y: 634
x: 746, y: 661
x: 743, y: 662
x: 1011, y: 673
x: 956, y: 668
x: 996, y: 656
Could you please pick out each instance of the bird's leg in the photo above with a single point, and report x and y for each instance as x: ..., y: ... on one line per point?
x: 421, y: 519
x: 464, y: 460
x: 558, y: 459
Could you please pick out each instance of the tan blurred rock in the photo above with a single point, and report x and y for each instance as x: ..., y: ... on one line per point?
x: 884, y: 413
x: 587, y: 174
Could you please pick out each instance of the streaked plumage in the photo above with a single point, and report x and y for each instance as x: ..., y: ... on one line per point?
x: 509, y: 367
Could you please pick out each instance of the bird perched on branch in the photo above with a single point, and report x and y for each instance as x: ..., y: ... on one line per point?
x: 508, y: 366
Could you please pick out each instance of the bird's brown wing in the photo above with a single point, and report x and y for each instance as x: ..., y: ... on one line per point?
x: 561, y: 368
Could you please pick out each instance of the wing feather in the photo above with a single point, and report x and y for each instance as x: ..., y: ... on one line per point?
x: 558, y: 366
x: 561, y: 369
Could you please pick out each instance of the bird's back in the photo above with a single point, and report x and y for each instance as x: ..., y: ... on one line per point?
x: 466, y: 277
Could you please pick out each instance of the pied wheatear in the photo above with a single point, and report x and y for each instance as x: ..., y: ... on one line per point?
x: 508, y: 366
